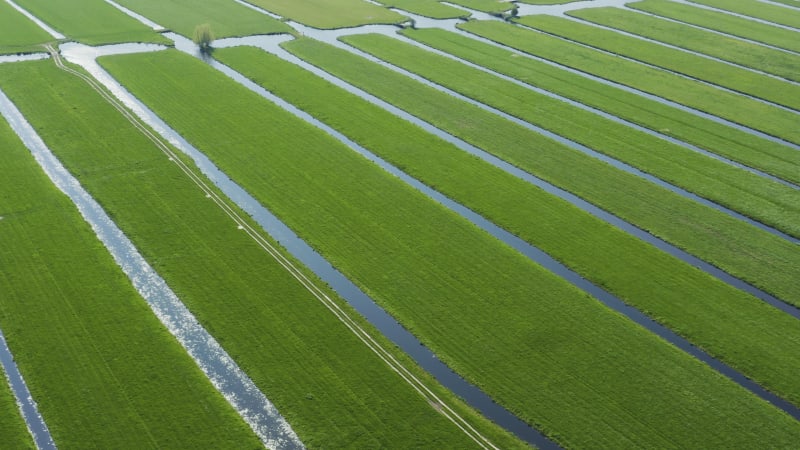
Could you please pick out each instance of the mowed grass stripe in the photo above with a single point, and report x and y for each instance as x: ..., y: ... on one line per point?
x: 225, y: 17
x: 735, y: 108
x: 328, y: 14
x: 18, y: 34
x: 721, y: 22
x: 104, y: 371
x: 765, y: 200
x: 91, y: 22
x: 322, y: 379
x: 554, y: 356
x: 660, y: 284
x: 12, y: 426
x: 678, y: 61
x: 740, y: 146
x: 733, y: 50
x: 489, y: 6
x: 759, y: 10
x: 427, y: 8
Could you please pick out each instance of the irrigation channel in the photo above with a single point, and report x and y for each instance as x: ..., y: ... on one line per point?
x: 212, y: 359
x: 331, y: 37
x: 85, y: 56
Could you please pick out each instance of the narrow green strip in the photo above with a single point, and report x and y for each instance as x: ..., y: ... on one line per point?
x: 329, y: 14
x: 18, y: 34
x: 104, y: 371
x: 759, y: 10
x: 556, y: 357
x: 427, y: 8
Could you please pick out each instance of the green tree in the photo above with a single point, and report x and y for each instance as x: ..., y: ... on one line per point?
x: 203, y: 36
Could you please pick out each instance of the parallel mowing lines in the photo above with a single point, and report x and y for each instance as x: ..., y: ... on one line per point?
x: 342, y: 315
x: 542, y: 258
x: 582, y: 148
x: 563, y: 194
x: 606, y: 115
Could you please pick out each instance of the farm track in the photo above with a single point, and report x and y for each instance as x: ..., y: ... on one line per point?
x: 342, y: 315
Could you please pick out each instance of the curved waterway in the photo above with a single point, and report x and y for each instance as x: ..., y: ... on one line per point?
x: 331, y: 37
x: 212, y: 359
x: 27, y: 406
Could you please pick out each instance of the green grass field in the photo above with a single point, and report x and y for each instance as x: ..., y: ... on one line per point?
x: 427, y: 8
x: 18, y: 34
x: 660, y: 284
x: 325, y: 381
x: 226, y: 18
x: 449, y: 283
x: 719, y: 21
x: 729, y: 106
x: 489, y: 6
x: 721, y: 74
x: 328, y: 14
x: 760, y: 10
x: 755, y: 56
x: 765, y: 200
x: 737, y: 145
x: 12, y: 426
x: 104, y: 371
x: 91, y: 22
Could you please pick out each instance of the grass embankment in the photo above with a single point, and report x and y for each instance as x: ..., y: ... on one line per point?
x: 794, y: 3
x: 104, y: 371
x: 12, y: 427
x: 661, y: 285
x: 730, y: 106
x: 737, y: 145
x: 755, y: 56
x: 539, y: 346
x: 488, y: 6
x: 759, y: 10
x: 92, y: 22
x: 325, y: 381
x: 328, y: 14
x: 18, y: 34
x: 721, y: 74
x: 722, y: 22
x: 427, y: 8
x: 226, y: 18
x: 765, y: 200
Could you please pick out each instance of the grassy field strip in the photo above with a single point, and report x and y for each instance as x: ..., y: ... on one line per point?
x: 92, y: 22
x: 384, y: 132
x: 758, y: 10
x: 716, y: 73
x: 328, y: 14
x: 721, y: 22
x: 429, y: 274
x: 349, y: 396
x: 104, y: 371
x: 55, y: 34
x: 487, y: 6
x: 226, y: 18
x: 546, y: 242
x: 427, y: 8
x: 511, y: 68
x: 744, y: 148
x: 16, y: 403
x: 731, y: 107
x: 793, y: 3
x: 18, y: 34
x: 735, y: 190
x: 755, y: 57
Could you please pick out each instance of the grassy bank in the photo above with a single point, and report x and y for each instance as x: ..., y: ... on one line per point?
x: 226, y: 18
x: 755, y: 56
x: 12, y: 427
x: 104, y: 371
x: 325, y: 381
x: 427, y: 8
x: 740, y: 146
x: 678, y: 61
x: 18, y: 34
x: 759, y: 10
x: 724, y: 23
x: 554, y: 356
x: 735, y: 108
x: 765, y: 200
x: 328, y: 14
x: 91, y: 22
